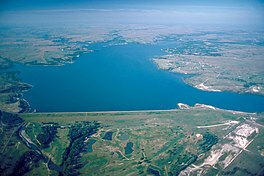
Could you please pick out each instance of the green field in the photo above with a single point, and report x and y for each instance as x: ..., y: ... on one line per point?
x: 179, y: 142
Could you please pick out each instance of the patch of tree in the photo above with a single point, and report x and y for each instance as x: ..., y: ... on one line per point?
x: 209, y: 140
x: 48, y: 135
x: 50, y: 123
x: 28, y: 161
x: 182, y: 162
x: 10, y: 119
x: 176, y: 150
x: 79, y: 132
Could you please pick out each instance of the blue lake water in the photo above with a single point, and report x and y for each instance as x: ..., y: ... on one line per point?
x: 121, y: 78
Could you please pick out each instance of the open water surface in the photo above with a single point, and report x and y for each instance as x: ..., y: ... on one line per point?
x: 121, y: 77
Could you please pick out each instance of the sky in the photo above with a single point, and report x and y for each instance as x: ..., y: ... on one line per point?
x: 55, y: 4
x: 195, y: 12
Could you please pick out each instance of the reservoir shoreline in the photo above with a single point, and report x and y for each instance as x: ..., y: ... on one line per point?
x: 195, y: 107
x: 115, y: 78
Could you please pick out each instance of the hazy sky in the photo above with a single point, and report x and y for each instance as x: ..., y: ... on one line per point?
x: 51, y: 4
x: 222, y: 12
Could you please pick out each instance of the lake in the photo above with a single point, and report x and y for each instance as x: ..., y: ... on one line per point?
x: 121, y: 77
